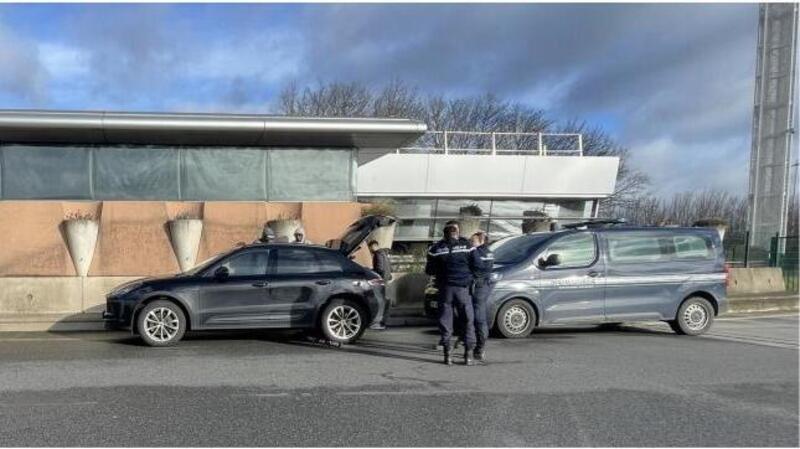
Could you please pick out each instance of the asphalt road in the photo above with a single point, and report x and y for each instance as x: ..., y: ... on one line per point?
x: 633, y: 386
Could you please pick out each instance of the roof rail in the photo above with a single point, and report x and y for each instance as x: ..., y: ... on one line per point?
x: 595, y: 223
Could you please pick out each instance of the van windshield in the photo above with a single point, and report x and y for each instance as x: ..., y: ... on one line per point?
x: 514, y: 250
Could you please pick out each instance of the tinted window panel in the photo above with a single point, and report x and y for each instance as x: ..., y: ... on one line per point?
x: 635, y: 248
x: 136, y: 173
x: 296, y: 261
x: 250, y: 263
x: 692, y: 247
x: 577, y: 250
x: 296, y: 175
x: 33, y: 172
x: 329, y: 263
x: 224, y: 174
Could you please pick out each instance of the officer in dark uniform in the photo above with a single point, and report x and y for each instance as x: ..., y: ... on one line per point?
x: 450, y: 260
x: 483, y: 261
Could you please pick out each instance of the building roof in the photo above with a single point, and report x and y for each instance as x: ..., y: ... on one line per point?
x: 76, y: 127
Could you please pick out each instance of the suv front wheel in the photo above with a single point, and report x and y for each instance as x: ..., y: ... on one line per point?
x: 161, y: 323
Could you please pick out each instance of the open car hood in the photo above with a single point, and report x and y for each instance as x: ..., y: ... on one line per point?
x: 356, y: 233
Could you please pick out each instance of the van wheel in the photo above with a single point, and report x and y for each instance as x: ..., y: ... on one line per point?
x: 161, y: 323
x: 695, y: 317
x: 516, y: 319
x: 343, y: 321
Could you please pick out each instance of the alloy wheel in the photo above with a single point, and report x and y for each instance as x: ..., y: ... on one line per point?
x: 161, y: 324
x: 344, y: 322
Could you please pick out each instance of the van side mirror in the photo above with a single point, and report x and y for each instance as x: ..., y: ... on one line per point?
x: 551, y: 261
x: 221, y: 273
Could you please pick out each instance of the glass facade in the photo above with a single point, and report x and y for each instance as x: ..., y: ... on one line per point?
x: 176, y: 173
x: 421, y: 219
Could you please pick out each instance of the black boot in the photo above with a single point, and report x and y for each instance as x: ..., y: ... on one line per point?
x: 468, y: 357
x: 480, y: 354
x: 448, y: 358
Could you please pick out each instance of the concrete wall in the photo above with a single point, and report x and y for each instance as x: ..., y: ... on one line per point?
x: 39, y: 288
x: 517, y: 176
x: 134, y: 238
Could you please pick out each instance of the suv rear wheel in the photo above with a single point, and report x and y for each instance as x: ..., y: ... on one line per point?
x: 695, y: 317
x: 343, y: 321
x: 161, y: 323
x: 516, y: 319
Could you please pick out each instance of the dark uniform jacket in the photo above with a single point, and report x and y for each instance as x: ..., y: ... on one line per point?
x: 483, y: 261
x: 451, y: 262
x: 382, y: 265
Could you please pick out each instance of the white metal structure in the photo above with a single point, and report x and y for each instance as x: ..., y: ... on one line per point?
x: 498, y: 143
x: 774, y: 122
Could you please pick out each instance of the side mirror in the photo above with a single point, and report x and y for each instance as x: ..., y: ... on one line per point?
x: 551, y: 261
x: 221, y: 273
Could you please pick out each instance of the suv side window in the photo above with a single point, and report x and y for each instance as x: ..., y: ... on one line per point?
x: 247, y: 263
x: 299, y: 260
x: 575, y: 251
x: 637, y: 247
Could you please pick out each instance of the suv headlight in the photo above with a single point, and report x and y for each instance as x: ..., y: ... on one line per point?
x: 125, y: 289
x: 496, y: 277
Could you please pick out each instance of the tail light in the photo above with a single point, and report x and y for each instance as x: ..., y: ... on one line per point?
x: 727, y: 275
x: 376, y: 282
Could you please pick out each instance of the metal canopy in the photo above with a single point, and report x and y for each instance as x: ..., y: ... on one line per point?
x: 72, y: 127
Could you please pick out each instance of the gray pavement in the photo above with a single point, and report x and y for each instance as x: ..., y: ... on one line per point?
x: 631, y: 386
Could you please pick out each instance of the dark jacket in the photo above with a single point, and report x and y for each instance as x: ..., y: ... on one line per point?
x: 451, y: 262
x: 482, y: 263
x: 382, y: 265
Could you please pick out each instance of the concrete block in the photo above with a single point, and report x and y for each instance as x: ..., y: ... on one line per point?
x: 745, y: 281
x: 407, y: 288
x: 22, y: 295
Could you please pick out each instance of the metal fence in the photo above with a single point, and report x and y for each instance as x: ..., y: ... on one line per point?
x: 782, y: 252
x: 497, y: 143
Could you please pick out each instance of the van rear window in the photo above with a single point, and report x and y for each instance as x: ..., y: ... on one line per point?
x: 692, y: 247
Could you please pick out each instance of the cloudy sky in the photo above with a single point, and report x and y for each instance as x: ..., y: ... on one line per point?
x: 674, y: 83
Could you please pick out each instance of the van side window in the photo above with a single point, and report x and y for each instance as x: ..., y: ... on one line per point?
x: 692, y: 247
x: 576, y: 250
x: 624, y: 247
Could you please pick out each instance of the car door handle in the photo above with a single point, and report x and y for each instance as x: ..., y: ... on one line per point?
x: 323, y: 282
x: 261, y: 284
x: 594, y: 274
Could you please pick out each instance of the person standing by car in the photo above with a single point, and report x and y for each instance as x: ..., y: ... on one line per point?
x: 300, y: 236
x: 383, y: 267
x: 483, y: 261
x: 450, y: 262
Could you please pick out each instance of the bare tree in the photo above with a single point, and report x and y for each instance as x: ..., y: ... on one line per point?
x: 484, y: 113
x: 685, y: 208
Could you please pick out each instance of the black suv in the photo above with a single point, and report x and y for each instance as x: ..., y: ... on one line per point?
x: 259, y: 286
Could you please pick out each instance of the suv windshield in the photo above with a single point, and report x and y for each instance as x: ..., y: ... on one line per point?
x: 514, y: 250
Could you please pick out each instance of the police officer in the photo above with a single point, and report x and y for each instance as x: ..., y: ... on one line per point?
x: 450, y: 261
x: 483, y: 260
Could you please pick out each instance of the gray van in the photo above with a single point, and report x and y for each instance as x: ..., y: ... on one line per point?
x: 607, y: 275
